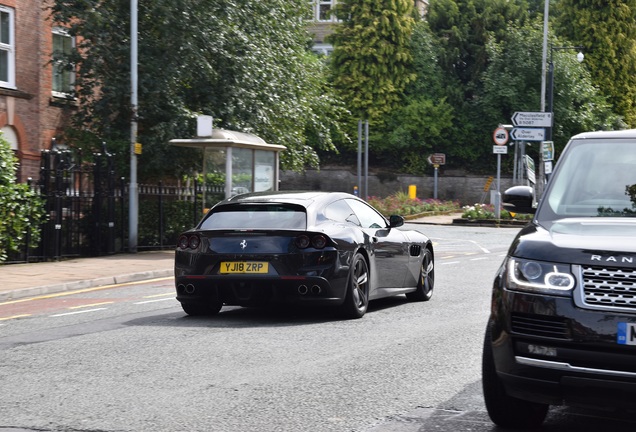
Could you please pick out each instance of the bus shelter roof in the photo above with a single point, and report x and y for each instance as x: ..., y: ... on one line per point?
x: 222, y: 138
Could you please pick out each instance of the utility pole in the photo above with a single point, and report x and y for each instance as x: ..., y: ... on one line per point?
x: 133, y: 198
x: 544, y: 57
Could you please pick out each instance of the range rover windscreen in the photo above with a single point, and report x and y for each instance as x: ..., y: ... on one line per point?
x: 598, y: 178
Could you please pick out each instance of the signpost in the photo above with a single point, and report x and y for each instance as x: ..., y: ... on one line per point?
x: 532, y: 119
x: 436, y: 159
x: 500, y: 137
x: 528, y: 134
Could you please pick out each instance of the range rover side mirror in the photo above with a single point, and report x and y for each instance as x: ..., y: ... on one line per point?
x: 519, y: 199
x: 396, y: 221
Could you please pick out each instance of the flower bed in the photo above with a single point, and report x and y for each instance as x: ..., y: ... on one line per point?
x: 401, y: 204
x: 482, y: 212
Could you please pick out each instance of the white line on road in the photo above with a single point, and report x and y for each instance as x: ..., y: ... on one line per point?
x: 77, y: 312
x: 154, y: 301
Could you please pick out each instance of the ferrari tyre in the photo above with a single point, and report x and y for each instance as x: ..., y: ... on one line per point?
x: 201, y: 309
x: 504, y: 410
x: 426, y: 282
x: 357, y: 296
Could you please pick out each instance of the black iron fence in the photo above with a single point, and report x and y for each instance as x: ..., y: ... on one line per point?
x: 86, y: 207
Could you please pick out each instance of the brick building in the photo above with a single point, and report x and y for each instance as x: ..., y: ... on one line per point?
x: 35, y: 95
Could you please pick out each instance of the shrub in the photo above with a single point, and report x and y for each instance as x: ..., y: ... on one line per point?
x: 21, y: 210
x: 401, y: 204
x: 487, y: 211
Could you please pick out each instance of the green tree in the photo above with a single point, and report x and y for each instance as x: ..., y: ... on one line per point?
x: 371, y: 61
x: 21, y: 209
x: 512, y: 83
x: 245, y: 63
x: 607, y: 31
x: 463, y: 29
x: 419, y: 126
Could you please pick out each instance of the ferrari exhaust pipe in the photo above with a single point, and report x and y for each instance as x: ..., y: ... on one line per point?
x: 189, y: 289
x: 302, y: 289
x: 316, y: 289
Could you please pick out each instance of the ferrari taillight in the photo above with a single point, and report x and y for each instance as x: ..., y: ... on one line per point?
x: 188, y: 241
x: 318, y: 241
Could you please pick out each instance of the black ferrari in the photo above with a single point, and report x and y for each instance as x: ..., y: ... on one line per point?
x: 318, y: 248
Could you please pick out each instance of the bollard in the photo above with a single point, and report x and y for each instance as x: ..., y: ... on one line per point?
x: 412, y: 191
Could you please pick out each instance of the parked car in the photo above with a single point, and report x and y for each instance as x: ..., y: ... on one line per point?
x: 318, y: 248
x: 562, y: 329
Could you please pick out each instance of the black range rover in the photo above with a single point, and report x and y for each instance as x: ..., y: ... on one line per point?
x: 562, y: 328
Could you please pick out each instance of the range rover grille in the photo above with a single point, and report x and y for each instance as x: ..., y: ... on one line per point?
x: 540, y: 325
x: 609, y: 287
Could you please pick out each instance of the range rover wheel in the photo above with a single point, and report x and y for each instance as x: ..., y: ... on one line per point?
x: 199, y: 309
x: 504, y: 410
x: 357, y: 297
x: 424, y: 290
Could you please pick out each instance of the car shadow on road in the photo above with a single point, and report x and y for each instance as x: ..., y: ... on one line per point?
x: 272, y: 316
x: 466, y: 412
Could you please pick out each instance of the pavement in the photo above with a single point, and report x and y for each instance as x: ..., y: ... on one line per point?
x: 45, y: 278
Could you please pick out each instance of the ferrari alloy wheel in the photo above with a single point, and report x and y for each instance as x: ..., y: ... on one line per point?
x: 357, y: 298
x: 426, y: 282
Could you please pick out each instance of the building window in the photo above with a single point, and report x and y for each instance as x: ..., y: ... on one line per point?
x: 322, y: 49
x: 7, y: 47
x: 63, y: 71
x: 323, y: 9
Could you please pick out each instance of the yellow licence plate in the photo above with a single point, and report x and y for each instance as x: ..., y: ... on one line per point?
x: 243, y: 267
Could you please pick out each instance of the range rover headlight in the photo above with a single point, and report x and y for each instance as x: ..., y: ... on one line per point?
x: 539, y: 276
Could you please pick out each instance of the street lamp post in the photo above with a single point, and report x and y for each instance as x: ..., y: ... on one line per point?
x: 580, y: 58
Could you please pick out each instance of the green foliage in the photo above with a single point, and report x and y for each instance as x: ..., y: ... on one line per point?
x: 245, y: 63
x: 464, y: 28
x: 371, y: 61
x: 402, y: 204
x: 21, y: 210
x: 487, y: 211
x: 178, y: 217
x: 511, y: 83
x: 607, y: 31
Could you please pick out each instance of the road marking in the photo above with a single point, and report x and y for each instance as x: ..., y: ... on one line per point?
x: 85, y: 290
x: 479, y: 259
x: 90, y: 305
x: 77, y: 312
x: 153, y: 301
x: 15, y: 317
x: 484, y: 250
x: 450, y: 262
x: 171, y: 293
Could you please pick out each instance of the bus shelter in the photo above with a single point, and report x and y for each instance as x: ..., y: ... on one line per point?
x: 246, y: 161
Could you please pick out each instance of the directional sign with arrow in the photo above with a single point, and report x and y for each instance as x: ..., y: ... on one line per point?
x: 532, y: 119
x: 528, y: 134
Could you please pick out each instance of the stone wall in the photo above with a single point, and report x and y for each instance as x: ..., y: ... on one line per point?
x: 467, y: 189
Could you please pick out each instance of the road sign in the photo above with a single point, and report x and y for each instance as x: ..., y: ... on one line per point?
x: 500, y: 136
x: 437, y: 159
x: 500, y: 149
x: 536, y: 119
x: 528, y: 134
x: 547, y: 148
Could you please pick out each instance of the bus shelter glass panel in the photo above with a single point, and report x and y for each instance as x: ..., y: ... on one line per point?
x: 264, y: 170
x: 213, y: 186
x: 242, y: 164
